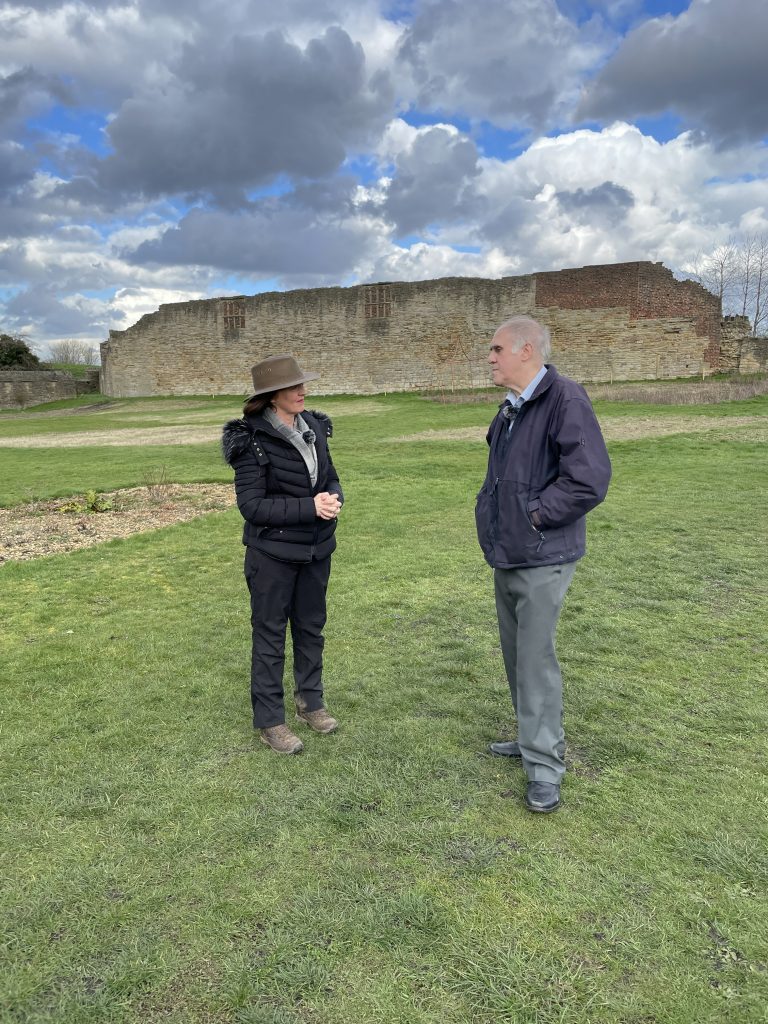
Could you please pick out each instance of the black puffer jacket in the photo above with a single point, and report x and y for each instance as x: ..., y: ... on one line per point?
x: 273, y: 488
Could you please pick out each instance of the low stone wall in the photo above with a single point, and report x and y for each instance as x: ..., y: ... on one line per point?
x: 22, y: 388
x: 710, y: 392
x: 744, y: 355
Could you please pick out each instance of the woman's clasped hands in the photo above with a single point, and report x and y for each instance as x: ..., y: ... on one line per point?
x: 327, y: 505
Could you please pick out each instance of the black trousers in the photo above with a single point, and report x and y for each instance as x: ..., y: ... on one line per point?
x: 283, y: 592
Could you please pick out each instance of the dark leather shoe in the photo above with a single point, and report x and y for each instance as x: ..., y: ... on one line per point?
x: 510, y: 749
x: 542, y: 797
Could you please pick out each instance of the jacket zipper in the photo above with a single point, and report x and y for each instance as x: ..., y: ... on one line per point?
x: 288, y: 444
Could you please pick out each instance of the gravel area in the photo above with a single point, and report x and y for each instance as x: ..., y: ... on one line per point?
x: 47, y: 528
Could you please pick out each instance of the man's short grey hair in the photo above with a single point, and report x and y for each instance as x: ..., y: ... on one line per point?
x: 525, y: 328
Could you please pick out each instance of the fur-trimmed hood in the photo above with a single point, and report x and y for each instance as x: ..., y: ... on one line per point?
x: 238, y: 435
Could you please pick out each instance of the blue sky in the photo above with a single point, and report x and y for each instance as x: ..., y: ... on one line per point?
x: 148, y: 156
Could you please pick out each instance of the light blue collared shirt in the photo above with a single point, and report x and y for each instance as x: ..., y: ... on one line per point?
x: 517, y: 401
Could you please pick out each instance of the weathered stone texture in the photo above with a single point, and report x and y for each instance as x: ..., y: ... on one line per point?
x: 739, y: 351
x: 20, y: 388
x: 623, y: 321
x: 753, y: 357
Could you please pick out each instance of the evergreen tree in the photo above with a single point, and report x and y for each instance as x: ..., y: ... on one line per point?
x: 15, y: 354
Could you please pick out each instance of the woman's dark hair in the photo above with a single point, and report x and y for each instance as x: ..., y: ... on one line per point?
x: 255, y: 406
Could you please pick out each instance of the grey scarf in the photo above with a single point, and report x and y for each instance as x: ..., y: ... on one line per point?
x: 294, y: 435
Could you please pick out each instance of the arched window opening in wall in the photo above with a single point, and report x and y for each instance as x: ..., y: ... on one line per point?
x: 378, y: 301
x: 234, y: 314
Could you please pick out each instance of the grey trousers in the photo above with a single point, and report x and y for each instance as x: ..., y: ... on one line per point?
x: 528, y: 603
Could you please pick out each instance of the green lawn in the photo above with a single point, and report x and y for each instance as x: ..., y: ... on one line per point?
x: 161, y: 864
x: 78, y: 370
x: 29, y: 474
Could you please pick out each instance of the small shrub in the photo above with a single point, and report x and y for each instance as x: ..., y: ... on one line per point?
x: 157, y: 483
x: 91, y: 501
x: 95, y: 502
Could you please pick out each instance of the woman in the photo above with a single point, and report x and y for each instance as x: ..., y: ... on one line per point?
x: 289, y: 495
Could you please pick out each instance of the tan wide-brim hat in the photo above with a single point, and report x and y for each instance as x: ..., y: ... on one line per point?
x: 277, y: 372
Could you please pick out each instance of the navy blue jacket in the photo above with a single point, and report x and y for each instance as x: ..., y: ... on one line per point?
x: 554, y: 468
x: 273, y: 488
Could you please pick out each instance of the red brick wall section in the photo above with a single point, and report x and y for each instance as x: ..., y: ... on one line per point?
x: 599, y: 287
x: 660, y: 295
x: 648, y: 291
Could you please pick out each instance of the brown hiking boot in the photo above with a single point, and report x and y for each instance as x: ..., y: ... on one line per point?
x: 281, y: 739
x: 318, y: 720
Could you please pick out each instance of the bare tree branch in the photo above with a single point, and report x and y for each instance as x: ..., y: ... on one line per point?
x: 72, y: 351
x: 737, y: 272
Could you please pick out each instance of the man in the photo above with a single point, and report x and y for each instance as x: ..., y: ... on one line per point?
x: 547, y: 467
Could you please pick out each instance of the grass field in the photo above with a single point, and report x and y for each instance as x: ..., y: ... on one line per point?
x: 160, y: 864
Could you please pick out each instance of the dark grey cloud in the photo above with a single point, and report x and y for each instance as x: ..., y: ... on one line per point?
x: 290, y: 237
x: 85, y: 197
x: 76, y: 261
x: 262, y: 13
x: 709, y: 65
x: 433, y: 181
x: 19, y: 220
x: 331, y: 197
x: 13, y: 263
x: 27, y: 212
x: 41, y: 304
x: 25, y: 91
x: 17, y: 166
x: 33, y: 5
x: 604, y: 206
x: 203, y: 10
x: 239, y: 112
x: 614, y: 11
x: 512, y: 62
x: 502, y: 226
x: 602, y: 209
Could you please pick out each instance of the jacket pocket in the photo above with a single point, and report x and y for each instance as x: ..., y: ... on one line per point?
x: 518, y: 541
x: 485, y: 516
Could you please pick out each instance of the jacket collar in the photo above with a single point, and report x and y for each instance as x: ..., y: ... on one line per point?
x: 545, y: 383
x: 263, y: 426
x: 317, y: 421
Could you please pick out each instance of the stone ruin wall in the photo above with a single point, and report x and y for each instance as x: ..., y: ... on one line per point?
x: 739, y: 351
x: 22, y: 388
x: 625, y: 321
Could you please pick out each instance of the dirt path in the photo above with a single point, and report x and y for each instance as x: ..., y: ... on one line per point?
x: 616, y: 428
x: 116, y: 438
x: 628, y: 428
x: 172, y: 434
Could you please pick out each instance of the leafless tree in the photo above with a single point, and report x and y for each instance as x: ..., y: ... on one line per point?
x: 718, y: 271
x: 757, y: 296
x: 737, y: 272
x: 72, y: 351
